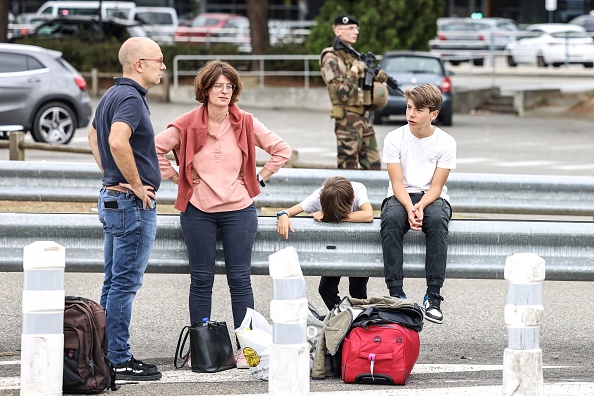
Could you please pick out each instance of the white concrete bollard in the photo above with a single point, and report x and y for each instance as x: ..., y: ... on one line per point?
x: 42, y: 338
x: 289, y: 354
x: 522, y: 359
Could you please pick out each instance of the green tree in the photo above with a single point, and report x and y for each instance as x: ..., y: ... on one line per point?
x: 385, y: 24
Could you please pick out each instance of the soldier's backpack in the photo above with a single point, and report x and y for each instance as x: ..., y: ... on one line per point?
x: 86, y: 366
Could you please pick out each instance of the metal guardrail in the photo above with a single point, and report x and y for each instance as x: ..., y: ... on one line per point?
x: 477, y: 248
x: 469, y: 192
x: 261, y: 72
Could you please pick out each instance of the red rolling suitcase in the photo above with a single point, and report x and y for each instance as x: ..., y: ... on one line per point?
x: 379, y: 354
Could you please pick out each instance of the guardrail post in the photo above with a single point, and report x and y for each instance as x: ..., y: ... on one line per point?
x: 95, y: 82
x: 289, y: 353
x: 15, y: 146
x: 522, y: 359
x: 42, y: 339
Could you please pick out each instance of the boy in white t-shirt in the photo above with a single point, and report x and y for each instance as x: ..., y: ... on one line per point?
x: 419, y: 157
x: 336, y: 201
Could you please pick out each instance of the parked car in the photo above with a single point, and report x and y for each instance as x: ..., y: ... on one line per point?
x: 412, y: 68
x: 585, y: 21
x: 551, y: 44
x: 466, y: 39
x: 159, y: 23
x: 216, y: 27
x: 42, y: 92
x: 27, y: 22
x: 116, y: 9
x: 89, y: 29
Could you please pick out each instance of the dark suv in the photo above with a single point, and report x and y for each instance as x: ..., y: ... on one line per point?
x: 42, y: 92
x: 89, y: 29
x: 411, y: 68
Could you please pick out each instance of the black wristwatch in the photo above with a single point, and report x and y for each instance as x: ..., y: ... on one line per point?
x: 282, y: 212
x: 260, y: 180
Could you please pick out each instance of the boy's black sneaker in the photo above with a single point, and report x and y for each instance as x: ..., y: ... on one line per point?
x: 149, y: 366
x: 431, y: 308
x: 132, y: 371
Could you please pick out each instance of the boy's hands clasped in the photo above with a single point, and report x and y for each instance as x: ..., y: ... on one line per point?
x: 415, y: 217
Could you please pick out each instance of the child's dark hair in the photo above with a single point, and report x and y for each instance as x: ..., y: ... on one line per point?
x: 425, y: 95
x: 336, y: 199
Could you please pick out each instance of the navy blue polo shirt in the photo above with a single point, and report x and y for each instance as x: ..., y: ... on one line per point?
x: 126, y: 102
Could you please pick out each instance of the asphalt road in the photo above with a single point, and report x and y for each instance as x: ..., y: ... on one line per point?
x: 547, y: 141
x: 462, y: 356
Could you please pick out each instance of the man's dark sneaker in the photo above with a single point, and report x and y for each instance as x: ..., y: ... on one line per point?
x: 431, y: 308
x: 132, y: 371
x: 401, y: 296
x: 149, y: 366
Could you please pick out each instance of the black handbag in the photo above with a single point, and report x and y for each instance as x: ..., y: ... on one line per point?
x: 210, y: 348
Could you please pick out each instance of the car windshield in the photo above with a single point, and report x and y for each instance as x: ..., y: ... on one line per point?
x: 205, y: 22
x: 122, y: 13
x: 416, y: 65
x: 154, y: 18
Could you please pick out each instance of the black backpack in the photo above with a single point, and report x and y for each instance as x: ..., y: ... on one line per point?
x: 86, y: 366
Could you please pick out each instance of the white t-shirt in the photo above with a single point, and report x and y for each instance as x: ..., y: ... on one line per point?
x: 419, y: 157
x: 312, y: 204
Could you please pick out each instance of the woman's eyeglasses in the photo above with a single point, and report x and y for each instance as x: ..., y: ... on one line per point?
x: 219, y: 87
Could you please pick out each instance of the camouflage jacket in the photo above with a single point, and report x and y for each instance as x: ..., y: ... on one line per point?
x: 342, y: 85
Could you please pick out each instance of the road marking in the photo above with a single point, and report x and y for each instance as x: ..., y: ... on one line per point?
x: 574, y: 167
x: 188, y: 376
x: 518, y: 164
x: 475, y: 160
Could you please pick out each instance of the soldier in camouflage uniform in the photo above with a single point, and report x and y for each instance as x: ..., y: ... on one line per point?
x: 355, y: 137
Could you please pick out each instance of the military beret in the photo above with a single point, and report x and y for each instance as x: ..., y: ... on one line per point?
x: 345, y: 20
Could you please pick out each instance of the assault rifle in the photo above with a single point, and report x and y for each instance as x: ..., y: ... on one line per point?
x: 371, y: 69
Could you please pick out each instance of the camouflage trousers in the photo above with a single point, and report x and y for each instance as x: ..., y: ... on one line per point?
x: 356, y: 143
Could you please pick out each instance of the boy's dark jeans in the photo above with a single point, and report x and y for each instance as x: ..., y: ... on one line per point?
x: 394, y: 224
x: 328, y: 289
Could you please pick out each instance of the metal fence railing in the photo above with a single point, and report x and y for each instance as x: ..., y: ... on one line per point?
x: 470, y: 193
x: 305, y: 71
x: 477, y: 249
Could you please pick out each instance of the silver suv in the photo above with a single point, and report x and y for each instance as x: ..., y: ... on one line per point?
x: 42, y: 92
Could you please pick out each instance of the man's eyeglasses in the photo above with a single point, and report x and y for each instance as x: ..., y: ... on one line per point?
x: 219, y: 87
x: 160, y: 60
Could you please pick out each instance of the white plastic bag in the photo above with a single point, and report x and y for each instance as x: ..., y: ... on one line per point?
x: 255, y: 337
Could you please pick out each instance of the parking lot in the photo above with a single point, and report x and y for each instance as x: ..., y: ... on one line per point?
x: 463, y: 356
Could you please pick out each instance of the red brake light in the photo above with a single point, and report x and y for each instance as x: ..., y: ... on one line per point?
x: 441, y: 37
x: 481, y: 37
x: 446, y: 85
x: 82, y: 84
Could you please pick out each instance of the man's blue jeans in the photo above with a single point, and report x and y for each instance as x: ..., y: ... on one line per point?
x: 394, y: 224
x: 129, y: 236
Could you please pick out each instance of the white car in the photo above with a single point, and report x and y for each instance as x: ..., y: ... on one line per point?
x: 160, y: 23
x: 551, y: 44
